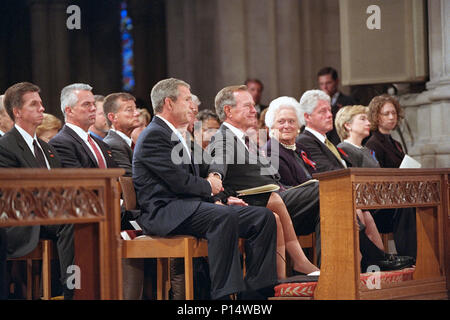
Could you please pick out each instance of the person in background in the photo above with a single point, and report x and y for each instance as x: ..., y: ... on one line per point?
x: 49, y: 127
x: 328, y: 81
x: 385, y: 113
x: 6, y: 123
x: 256, y: 87
x: 210, y: 124
x: 144, y: 119
x: 100, y: 127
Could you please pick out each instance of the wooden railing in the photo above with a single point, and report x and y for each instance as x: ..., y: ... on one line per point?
x: 87, y: 198
x: 344, y: 191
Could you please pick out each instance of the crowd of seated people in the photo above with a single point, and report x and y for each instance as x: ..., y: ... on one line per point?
x: 196, y: 189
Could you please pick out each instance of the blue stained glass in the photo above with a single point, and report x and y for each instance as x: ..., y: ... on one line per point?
x: 127, y: 49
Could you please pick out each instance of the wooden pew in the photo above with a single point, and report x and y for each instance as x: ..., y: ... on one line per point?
x: 88, y: 198
x: 344, y: 191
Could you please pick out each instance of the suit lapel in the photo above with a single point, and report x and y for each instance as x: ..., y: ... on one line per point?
x: 49, y: 154
x: 326, y: 150
x: 174, y: 143
x: 77, y: 138
x: 26, y: 153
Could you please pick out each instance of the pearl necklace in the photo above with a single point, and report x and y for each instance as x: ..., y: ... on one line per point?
x: 289, y: 146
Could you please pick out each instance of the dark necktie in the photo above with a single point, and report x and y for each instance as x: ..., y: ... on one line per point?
x: 39, y: 155
x: 132, y: 145
x: 101, y: 162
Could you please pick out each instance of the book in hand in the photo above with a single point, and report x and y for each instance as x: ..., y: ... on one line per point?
x: 304, y: 183
x: 258, y: 190
x: 409, y: 162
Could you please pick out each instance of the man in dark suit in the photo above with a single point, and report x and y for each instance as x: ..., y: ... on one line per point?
x: 329, y: 82
x: 236, y: 161
x: 316, y: 110
x: 122, y: 117
x: 20, y: 148
x: 174, y: 199
x: 75, y: 146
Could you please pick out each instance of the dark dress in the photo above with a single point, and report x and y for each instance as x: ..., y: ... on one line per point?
x: 401, y: 221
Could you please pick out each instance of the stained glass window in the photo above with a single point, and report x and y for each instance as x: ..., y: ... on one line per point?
x: 127, y: 49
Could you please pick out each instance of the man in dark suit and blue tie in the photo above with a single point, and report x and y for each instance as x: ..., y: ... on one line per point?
x: 122, y: 117
x: 174, y: 199
x: 20, y: 148
x: 75, y: 146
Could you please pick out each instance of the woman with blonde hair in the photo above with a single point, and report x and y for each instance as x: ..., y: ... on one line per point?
x: 49, y: 127
x: 353, y: 125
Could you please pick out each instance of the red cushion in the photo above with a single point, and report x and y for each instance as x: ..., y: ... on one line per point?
x: 306, y: 289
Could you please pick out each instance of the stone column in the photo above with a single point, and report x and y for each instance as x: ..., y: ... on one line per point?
x: 428, y: 113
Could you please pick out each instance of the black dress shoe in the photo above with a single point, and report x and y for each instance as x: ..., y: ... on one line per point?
x: 394, y: 262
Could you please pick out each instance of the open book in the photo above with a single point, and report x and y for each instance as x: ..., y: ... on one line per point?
x: 304, y: 183
x: 258, y: 190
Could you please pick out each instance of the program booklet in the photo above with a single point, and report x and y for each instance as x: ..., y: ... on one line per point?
x: 304, y: 183
x: 258, y: 190
x: 410, y: 163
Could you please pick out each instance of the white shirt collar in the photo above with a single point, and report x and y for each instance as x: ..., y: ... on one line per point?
x: 347, y: 141
x: 318, y: 135
x: 237, y: 132
x: 80, y: 132
x: 123, y: 136
x: 26, y: 136
x: 178, y: 134
x: 334, y: 98
x: 29, y: 140
x: 2, y: 133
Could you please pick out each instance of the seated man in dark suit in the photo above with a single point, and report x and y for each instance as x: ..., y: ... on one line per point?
x: 235, y: 160
x: 329, y: 83
x: 20, y: 148
x: 316, y: 110
x: 75, y: 146
x: 174, y: 199
x: 122, y: 117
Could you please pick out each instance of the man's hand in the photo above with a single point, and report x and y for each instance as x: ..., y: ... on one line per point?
x: 216, y: 184
x: 236, y: 202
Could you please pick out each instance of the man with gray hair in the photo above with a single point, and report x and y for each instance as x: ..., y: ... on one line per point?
x: 6, y: 123
x: 76, y: 147
x: 175, y: 200
x: 236, y: 162
x: 315, y: 108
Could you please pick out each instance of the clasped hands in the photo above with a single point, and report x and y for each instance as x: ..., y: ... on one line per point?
x: 216, y: 187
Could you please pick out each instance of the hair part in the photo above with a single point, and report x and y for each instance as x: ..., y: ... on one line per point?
x: 69, y: 96
x: 13, y: 97
x: 225, y: 97
x: 111, y: 104
x: 375, y: 106
x: 346, y: 115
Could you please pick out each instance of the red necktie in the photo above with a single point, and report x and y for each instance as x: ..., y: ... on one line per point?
x: 101, y: 162
x: 132, y: 145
